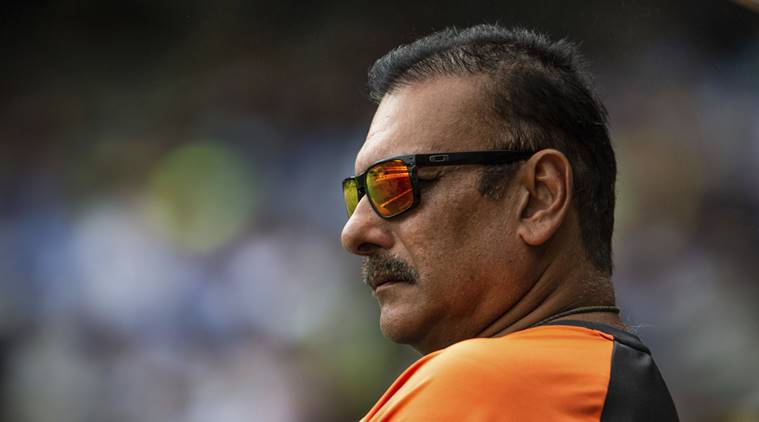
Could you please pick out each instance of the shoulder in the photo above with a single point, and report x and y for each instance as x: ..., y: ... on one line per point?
x: 543, y: 372
x: 542, y: 353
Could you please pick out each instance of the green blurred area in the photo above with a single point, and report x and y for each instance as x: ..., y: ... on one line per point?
x: 202, y: 195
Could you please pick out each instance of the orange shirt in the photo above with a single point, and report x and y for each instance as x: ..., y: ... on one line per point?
x: 545, y: 373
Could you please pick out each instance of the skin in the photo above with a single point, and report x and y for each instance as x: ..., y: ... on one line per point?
x: 487, y: 266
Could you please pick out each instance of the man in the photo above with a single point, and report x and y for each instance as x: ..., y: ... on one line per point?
x: 483, y: 207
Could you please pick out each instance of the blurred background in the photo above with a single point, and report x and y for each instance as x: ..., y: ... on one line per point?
x: 170, y: 206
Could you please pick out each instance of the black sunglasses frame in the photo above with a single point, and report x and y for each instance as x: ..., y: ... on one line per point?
x: 493, y: 157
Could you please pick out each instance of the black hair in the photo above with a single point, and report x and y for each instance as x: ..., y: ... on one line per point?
x: 541, y: 97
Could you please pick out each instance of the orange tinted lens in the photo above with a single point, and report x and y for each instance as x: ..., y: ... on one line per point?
x: 389, y: 187
x: 350, y: 194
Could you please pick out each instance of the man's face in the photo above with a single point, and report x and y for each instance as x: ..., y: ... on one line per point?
x: 457, y: 255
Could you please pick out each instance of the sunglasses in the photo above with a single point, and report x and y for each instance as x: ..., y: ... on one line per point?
x: 392, y: 184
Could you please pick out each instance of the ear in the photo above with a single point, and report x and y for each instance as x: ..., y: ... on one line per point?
x: 547, y: 180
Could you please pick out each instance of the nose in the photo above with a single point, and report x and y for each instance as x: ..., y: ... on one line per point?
x: 366, y: 233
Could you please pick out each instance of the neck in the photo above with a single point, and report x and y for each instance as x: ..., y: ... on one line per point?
x: 552, y: 295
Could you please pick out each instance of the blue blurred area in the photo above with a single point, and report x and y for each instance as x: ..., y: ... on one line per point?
x: 170, y: 206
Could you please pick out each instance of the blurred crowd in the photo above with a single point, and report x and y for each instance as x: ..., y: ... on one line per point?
x: 170, y: 202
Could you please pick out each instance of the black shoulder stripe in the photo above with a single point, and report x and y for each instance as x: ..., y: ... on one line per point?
x: 637, y: 391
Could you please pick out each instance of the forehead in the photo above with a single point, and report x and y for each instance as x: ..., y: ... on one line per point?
x: 444, y: 114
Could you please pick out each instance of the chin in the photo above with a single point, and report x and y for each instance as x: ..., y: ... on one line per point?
x: 401, y: 328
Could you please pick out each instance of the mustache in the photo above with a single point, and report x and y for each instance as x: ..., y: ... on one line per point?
x: 378, y: 269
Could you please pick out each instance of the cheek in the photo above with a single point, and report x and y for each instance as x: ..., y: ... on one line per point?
x: 474, y: 225
x: 455, y: 229
x: 479, y: 238
x: 455, y: 247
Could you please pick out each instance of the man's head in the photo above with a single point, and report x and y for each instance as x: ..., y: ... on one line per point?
x: 482, y: 236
